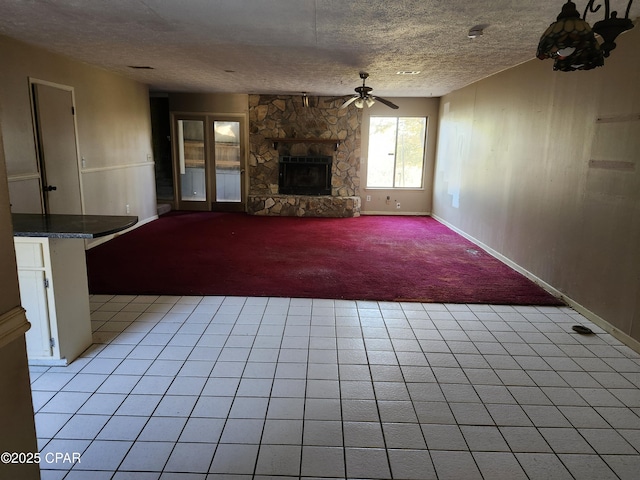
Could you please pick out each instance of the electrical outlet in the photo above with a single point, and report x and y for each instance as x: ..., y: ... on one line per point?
x: 398, y: 205
x: 368, y: 198
x: 84, y: 162
x: 127, y: 208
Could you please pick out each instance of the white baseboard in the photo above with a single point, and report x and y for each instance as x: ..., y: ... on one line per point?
x: 581, y: 309
x: 48, y: 362
x: 390, y: 213
x: 604, y: 325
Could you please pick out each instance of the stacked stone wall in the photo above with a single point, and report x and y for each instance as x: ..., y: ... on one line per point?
x: 285, y: 116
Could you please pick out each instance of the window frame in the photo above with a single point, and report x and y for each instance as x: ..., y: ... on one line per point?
x: 398, y: 118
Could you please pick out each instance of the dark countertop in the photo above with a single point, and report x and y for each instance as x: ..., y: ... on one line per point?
x: 69, y: 226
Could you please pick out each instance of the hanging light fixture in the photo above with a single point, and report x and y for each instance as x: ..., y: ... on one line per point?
x: 572, y: 43
x: 611, y: 26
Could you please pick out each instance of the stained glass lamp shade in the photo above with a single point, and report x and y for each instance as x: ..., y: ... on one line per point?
x: 570, y: 41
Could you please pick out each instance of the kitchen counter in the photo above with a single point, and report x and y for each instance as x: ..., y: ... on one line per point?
x: 52, y: 272
x: 69, y: 226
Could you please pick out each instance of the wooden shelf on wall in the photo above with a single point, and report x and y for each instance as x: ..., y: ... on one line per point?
x: 276, y: 141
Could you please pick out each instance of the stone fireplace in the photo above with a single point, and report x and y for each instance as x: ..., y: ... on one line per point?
x: 303, y: 161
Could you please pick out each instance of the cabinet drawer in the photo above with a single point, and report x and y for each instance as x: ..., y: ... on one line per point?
x: 29, y: 254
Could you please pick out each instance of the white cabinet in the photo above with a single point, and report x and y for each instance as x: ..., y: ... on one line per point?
x: 52, y: 274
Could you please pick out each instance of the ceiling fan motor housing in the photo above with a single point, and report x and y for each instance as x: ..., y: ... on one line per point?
x: 363, y: 91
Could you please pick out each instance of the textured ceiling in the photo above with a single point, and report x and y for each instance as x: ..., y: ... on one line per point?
x: 291, y: 46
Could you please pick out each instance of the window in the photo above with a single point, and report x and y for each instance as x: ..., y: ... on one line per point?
x: 396, y: 152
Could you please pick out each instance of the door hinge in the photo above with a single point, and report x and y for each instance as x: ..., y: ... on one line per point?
x: 73, y: 110
x: 52, y: 342
x: 46, y: 283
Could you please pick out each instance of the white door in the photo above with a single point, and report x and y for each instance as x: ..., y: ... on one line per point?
x: 57, y: 148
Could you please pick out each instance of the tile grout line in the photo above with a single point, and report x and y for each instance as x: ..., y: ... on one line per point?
x: 542, y: 353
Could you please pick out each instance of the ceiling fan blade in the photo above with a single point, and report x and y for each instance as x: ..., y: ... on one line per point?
x: 386, y: 102
x: 349, y: 102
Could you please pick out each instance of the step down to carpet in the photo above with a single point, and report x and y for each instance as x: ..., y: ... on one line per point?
x: 163, y: 208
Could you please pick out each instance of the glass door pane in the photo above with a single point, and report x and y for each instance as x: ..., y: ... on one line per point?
x: 226, y: 136
x: 191, y: 159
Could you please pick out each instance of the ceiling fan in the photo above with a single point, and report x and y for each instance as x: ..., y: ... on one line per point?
x: 363, y: 96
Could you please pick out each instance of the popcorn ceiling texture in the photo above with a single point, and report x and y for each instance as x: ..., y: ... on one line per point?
x: 285, y: 47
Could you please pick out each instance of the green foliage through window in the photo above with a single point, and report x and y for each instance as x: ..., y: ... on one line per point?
x: 396, y: 152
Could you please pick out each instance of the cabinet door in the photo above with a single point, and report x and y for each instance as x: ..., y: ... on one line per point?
x: 33, y: 294
x: 31, y: 255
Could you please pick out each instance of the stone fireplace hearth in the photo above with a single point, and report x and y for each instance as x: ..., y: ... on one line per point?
x: 282, y: 127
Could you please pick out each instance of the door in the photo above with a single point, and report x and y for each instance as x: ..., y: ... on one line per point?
x: 209, y: 162
x: 229, y: 168
x: 56, y: 142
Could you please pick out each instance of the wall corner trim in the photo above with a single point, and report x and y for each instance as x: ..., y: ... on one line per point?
x: 13, y: 324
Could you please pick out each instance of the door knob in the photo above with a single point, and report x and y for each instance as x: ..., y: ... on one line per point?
x: 48, y: 188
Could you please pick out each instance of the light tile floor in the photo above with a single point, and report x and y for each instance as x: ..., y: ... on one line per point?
x: 235, y: 388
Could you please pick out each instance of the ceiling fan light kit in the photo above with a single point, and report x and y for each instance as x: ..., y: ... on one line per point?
x: 363, y: 96
x: 571, y: 42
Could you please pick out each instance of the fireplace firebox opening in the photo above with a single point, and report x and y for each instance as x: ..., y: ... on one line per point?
x: 309, y: 175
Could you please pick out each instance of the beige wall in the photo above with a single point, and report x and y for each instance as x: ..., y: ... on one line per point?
x: 17, y: 430
x: 215, y: 103
x: 113, y: 127
x: 114, y: 138
x: 524, y: 168
x: 412, y: 201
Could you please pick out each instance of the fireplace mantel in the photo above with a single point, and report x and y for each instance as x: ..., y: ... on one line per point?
x: 333, y: 141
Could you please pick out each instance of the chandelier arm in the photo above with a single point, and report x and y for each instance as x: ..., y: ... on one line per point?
x: 590, y: 8
x: 607, y: 9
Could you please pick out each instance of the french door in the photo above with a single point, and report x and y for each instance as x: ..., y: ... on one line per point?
x: 209, y: 162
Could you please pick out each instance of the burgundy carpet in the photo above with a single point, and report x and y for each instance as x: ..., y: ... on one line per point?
x: 364, y: 258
